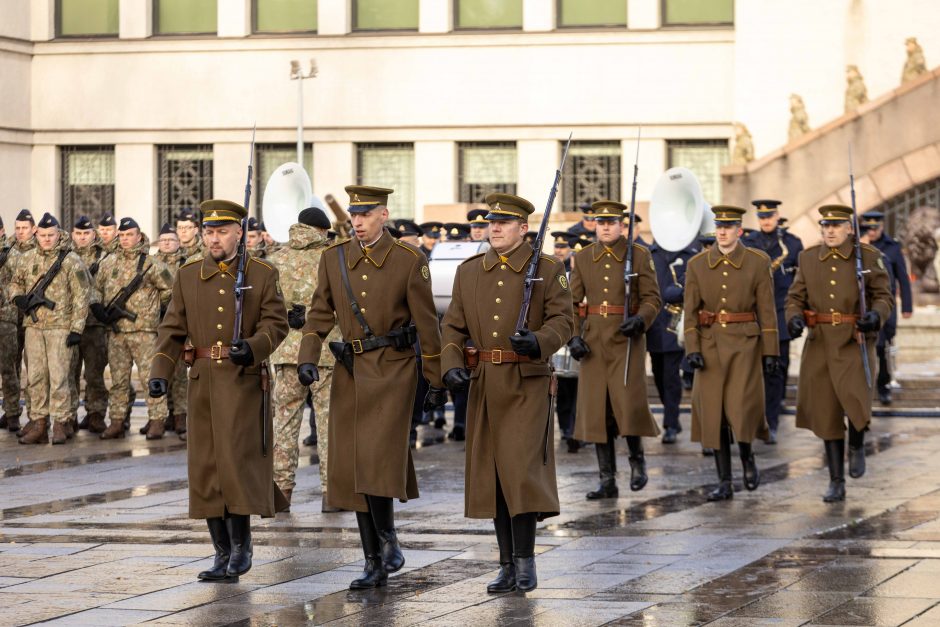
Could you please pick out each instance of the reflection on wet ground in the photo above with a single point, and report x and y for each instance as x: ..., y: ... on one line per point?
x: 96, y: 533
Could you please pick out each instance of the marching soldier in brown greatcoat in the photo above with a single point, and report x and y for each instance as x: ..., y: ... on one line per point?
x: 730, y: 332
x: 378, y: 290
x: 169, y: 253
x: 606, y: 407
x: 510, y: 467
x: 825, y: 297
x: 230, y: 460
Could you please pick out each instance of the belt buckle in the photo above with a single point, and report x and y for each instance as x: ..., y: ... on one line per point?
x: 836, y: 318
x: 496, y: 356
x: 603, y: 310
x: 722, y: 317
x: 357, y: 347
x: 215, y: 352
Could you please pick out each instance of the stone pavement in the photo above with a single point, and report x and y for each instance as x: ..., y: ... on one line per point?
x: 95, y: 533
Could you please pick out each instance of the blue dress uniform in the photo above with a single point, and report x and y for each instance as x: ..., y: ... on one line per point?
x: 900, y: 280
x: 784, y: 250
x: 662, y: 341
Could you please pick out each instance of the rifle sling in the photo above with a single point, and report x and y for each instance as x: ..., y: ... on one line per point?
x: 357, y: 311
x: 50, y: 274
x: 128, y: 290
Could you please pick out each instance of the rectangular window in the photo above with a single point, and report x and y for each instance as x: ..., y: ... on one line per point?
x: 87, y: 18
x: 285, y: 16
x: 269, y: 158
x: 489, y: 13
x: 184, y: 179
x: 185, y: 17
x: 592, y: 172
x: 486, y: 167
x: 87, y: 182
x: 697, y: 12
x: 385, y: 14
x: 389, y: 165
x: 705, y: 157
x: 592, y: 13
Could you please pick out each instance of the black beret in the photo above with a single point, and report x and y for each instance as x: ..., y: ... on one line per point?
x: 128, y: 224
x: 83, y: 224
x: 25, y: 216
x: 393, y: 231
x: 263, y: 227
x: 48, y: 221
x: 166, y: 228
x: 107, y: 220
x: 186, y: 215
x: 253, y: 224
x: 314, y: 216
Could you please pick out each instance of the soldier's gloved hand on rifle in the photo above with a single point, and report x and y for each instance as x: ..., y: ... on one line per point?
x: 578, y: 348
x: 771, y: 365
x: 869, y: 323
x: 73, y: 339
x: 307, y: 374
x: 457, y: 379
x: 157, y: 387
x: 795, y: 326
x: 21, y: 302
x: 296, y: 316
x: 436, y: 397
x: 696, y: 361
x: 100, y: 312
x: 241, y: 354
x: 633, y: 326
x: 525, y: 343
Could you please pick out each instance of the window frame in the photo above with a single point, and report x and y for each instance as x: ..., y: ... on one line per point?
x: 58, y: 26
x: 664, y: 24
x: 560, y: 26
x: 409, y: 146
x: 357, y: 29
x: 715, y: 142
x: 67, y: 212
x: 455, y: 7
x: 461, y: 179
x: 277, y: 33
x: 155, y: 21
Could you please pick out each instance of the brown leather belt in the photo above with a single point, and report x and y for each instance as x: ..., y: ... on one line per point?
x: 708, y: 318
x: 211, y: 352
x: 585, y: 310
x: 835, y: 318
x: 474, y: 356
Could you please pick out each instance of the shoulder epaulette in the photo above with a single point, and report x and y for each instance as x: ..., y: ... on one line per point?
x: 411, y: 249
x: 586, y: 248
x: 871, y: 248
x: 191, y: 262
x: 700, y: 253
x: 258, y: 261
x: 548, y: 258
x: 471, y: 258
x: 335, y: 244
x: 758, y: 252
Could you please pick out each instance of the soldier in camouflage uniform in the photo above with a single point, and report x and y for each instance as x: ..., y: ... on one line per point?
x: 271, y: 246
x: 169, y: 253
x: 132, y: 341
x: 9, y: 342
x: 254, y: 239
x: 52, y: 338
x: 107, y: 233
x: 24, y: 236
x: 93, y: 350
x: 187, y: 228
x: 298, y: 264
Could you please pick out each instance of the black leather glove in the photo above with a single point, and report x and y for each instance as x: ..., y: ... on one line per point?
x: 578, y: 348
x: 633, y: 326
x: 157, y: 387
x: 771, y: 365
x: 73, y: 339
x: 869, y: 323
x: 436, y: 397
x: 696, y: 361
x: 296, y: 316
x: 307, y: 374
x: 525, y: 343
x: 241, y: 354
x: 99, y: 312
x: 457, y: 379
x: 795, y: 326
x: 20, y: 302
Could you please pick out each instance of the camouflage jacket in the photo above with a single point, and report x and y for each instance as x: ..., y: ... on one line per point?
x: 298, y: 264
x: 92, y: 256
x: 193, y: 251
x: 119, y: 269
x: 70, y: 290
x: 173, y: 262
x: 8, y: 311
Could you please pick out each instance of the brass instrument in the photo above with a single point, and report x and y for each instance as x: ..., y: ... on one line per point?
x: 784, y: 252
x: 675, y: 310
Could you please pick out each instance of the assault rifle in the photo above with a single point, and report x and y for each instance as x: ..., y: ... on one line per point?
x: 116, y: 309
x: 35, y: 298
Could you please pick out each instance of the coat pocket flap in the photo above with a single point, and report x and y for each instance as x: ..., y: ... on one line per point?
x: 534, y: 369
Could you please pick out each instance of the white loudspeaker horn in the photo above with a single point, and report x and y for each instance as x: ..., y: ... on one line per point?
x: 286, y: 194
x: 678, y: 212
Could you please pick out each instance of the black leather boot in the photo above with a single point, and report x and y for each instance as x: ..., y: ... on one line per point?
x: 506, y: 579
x: 239, y: 533
x: 383, y: 515
x: 223, y: 548
x: 523, y: 551
x: 724, y: 491
x: 856, y: 452
x: 607, y: 463
x: 835, y: 456
x: 374, y: 574
x: 751, y: 473
x: 638, y: 476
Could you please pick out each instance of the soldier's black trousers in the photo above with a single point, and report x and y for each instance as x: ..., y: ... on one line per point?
x: 520, y: 528
x: 566, y: 404
x: 884, y: 371
x: 775, y: 387
x: 669, y: 385
x: 460, y: 407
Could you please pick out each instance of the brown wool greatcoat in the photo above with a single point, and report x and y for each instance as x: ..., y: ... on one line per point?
x: 370, y: 413
x: 732, y: 383
x: 832, y: 378
x: 226, y: 467
x: 597, y: 279
x: 508, y: 417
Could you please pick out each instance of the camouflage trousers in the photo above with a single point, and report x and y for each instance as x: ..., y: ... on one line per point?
x: 9, y: 371
x: 179, y: 385
x: 93, y: 354
x: 47, y: 371
x: 289, y: 399
x: 125, y: 350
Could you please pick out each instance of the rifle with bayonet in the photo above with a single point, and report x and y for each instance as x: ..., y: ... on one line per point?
x: 628, y: 272
x: 35, y: 298
x: 860, y: 273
